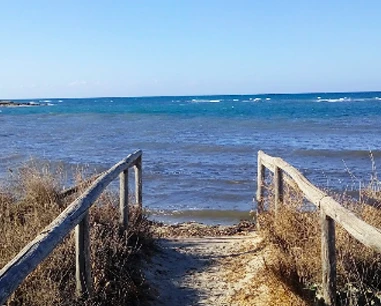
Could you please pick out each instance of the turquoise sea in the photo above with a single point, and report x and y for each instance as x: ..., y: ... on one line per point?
x: 200, y: 151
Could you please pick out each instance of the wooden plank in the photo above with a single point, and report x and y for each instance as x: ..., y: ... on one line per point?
x: 123, y: 199
x: 84, y: 282
x: 360, y: 230
x: 357, y: 228
x: 328, y: 256
x: 138, y: 183
x: 260, y: 183
x: 278, y: 186
x: 13, y: 273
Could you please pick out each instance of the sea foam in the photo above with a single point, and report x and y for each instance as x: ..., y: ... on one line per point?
x: 205, y: 101
x: 346, y: 99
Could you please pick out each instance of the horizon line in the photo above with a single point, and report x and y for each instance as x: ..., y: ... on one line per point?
x: 201, y: 95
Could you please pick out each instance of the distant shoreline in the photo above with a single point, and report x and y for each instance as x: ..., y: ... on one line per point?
x: 8, y: 103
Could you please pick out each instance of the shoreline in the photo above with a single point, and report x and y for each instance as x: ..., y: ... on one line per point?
x: 197, y: 229
x: 208, y: 217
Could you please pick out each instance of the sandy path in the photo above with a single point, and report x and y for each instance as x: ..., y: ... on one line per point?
x: 203, y: 271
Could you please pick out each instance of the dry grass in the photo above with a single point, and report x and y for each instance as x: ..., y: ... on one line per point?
x: 32, y: 203
x: 255, y: 282
x: 295, y: 239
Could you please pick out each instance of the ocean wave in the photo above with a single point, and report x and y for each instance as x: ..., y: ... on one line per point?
x: 205, y: 101
x: 46, y: 101
x: 340, y: 153
x: 204, y: 215
x: 252, y: 100
x: 334, y: 100
x: 346, y: 99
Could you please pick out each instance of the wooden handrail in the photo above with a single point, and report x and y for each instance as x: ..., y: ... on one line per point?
x: 75, y: 215
x: 331, y: 212
x: 359, y: 229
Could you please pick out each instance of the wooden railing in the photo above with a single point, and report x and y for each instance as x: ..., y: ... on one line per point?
x: 75, y: 215
x: 330, y: 211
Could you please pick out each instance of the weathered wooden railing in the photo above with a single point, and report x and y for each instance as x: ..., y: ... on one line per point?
x: 75, y: 215
x: 330, y: 211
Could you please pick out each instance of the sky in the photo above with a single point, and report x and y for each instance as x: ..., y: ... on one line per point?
x: 97, y: 48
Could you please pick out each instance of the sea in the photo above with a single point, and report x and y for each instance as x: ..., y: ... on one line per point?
x: 200, y: 152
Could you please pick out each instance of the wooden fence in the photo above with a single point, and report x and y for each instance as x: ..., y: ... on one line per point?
x: 75, y: 215
x: 330, y: 211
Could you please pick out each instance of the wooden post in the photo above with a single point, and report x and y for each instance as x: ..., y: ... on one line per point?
x: 260, y: 193
x: 260, y: 183
x: 138, y: 183
x: 82, y: 258
x: 278, y: 189
x: 123, y: 199
x: 328, y: 255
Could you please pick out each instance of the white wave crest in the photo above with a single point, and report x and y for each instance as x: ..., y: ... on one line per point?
x: 253, y: 100
x: 347, y: 99
x: 205, y: 101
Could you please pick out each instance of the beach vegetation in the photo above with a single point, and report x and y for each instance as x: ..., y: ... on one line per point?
x: 294, y: 238
x: 30, y: 202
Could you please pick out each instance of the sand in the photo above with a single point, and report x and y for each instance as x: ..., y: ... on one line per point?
x: 207, y: 270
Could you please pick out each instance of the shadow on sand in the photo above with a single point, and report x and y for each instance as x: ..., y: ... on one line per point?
x: 185, y: 271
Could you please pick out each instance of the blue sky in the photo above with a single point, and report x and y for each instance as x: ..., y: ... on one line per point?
x: 187, y: 47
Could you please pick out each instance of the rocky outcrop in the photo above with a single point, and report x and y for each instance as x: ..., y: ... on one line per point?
x: 7, y: 103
